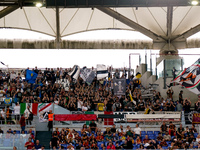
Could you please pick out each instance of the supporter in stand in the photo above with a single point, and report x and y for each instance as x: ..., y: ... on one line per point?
x: 146, y: 139
x: 93, y: 127
x: 137, y: 131
x: 159, y: 137
x: 167, y: 137
x: 37, y: 145
x: 172, y: 129
x: 29, y: 144
x: 186, y: 105
x: 54, y: 142
x: 180, y: 132
x: 163, y: 128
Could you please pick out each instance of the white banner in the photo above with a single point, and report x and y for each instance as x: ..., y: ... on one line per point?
x: 153, y: 116
x: 102, y: 71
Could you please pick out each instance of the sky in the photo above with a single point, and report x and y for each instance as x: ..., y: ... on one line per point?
x: 66, y: 58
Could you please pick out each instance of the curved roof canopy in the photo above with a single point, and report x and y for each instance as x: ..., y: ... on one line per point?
x: 169, y: 25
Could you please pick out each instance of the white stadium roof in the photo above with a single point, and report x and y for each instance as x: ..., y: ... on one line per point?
x: 170, y: 24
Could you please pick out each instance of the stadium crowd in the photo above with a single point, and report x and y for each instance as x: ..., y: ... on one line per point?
x: 56, y: 86
x: 91, y: 137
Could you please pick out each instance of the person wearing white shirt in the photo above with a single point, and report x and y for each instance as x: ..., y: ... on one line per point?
x: 17, y: 112
x: 27, y: 113
x: 3, y: 116
x: 84, y: 107
x: 137, y: 130
x: 80, y: 104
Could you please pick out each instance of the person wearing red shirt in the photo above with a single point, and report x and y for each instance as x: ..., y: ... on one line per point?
x: 146, y: 139
x: 99, y: 137
x: 29, y: 145
x: 22, y: 122
x: 111, y: 146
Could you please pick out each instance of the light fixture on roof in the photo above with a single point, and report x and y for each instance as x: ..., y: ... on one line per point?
x: 194, y: 2
x: 38, y: 4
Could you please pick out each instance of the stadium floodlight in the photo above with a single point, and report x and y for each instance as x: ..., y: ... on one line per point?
x: 194, y: 2
x: 38, y: 4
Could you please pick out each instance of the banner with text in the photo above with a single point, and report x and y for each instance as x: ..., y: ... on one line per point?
x: 119, y: 86
x: 196, y: 118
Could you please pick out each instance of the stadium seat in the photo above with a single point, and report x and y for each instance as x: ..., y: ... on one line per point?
x: 149, y: 132
x: 120, y: 142
x: 64, y: 145
x: 156, y: 133
x: 79, y: 132
x: 17, y: 132
x: 168, y: 143
x: 137, y: 146
x: 99, y: 144
x: 151, y: 136
x: 134, y: 147
x: 106, y: 143
x: 165, y: 147
x: 143, y: 132
x: 11, y: 131
x: 195, y: 135
x: 195, y: 146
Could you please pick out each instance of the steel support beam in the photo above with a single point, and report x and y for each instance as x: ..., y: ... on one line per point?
x: 169, y: 21
x: 7, y: 11
x: 187, y: 34
x: 58, y: 39
x: 130, y: 23
x: 115, y: 3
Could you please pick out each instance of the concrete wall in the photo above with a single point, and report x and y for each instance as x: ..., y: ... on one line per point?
x: 142, y: 68
x: 144, y: 79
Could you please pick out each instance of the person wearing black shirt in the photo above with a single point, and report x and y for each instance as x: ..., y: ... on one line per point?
x: 118, y: 146
x: 79, y: 145
x: 171, y: 106
x: 54, y: 142
x: 93, y: 127
x: 181, y: 97
x: 141, y: 106
x: 113, y: 129
x: 163, y: 128
x: 156, y: 107
x: 109, y: 106
x: 151, y: 146
x: 180, y: 132
x: 187, y: 105
x: 127, y: 145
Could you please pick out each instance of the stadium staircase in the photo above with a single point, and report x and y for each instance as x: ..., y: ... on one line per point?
x: 150, y: 82
x: 44, y: 137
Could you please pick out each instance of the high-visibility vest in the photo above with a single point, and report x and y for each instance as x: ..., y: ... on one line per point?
x: 50, y: 116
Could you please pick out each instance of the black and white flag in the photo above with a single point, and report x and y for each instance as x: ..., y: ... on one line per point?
x: 87, y: 75
x: 119, y: 86
x: 2, y: 63
x: 75, y: 72
x: 102, y: 71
